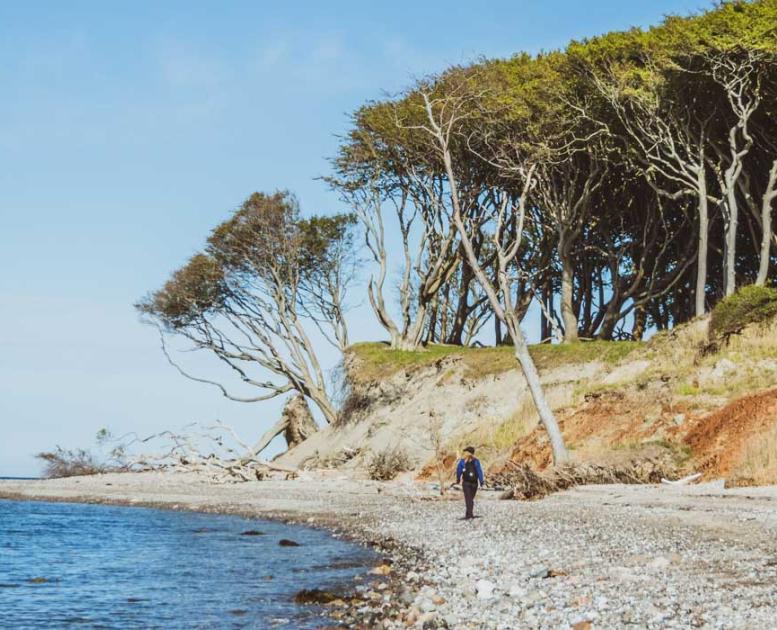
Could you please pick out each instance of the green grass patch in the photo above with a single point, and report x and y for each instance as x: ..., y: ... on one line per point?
x: 548, y: 356
x: 379, y: 361
x: 686, y: 389
x: 749, y: 305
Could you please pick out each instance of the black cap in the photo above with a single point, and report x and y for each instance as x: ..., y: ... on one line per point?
x: 470, y: 449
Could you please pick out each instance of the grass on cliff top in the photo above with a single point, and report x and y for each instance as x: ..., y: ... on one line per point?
x: 377, y: 360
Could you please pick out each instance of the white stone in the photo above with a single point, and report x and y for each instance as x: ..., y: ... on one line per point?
x: 427, y: 606
x: 484, y: 589
x: 659, y: 563
x: 723, y: 367
x: 516, y: 590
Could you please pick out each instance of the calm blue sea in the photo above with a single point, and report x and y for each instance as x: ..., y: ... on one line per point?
x: 94, y: 566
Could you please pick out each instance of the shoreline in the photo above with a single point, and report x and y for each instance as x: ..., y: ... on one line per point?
x: 595, y: 556
x: 353, y: 608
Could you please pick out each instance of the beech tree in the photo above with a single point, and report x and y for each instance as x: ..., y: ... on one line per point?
x: 268, y: 286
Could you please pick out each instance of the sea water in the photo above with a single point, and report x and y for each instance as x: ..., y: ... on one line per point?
x: 95, y: 566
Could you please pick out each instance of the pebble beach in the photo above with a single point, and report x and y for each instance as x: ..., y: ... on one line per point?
x: 593, y: 557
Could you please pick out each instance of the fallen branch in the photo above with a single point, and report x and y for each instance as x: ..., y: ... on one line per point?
x: 214, y: 450
x: 681, y: 482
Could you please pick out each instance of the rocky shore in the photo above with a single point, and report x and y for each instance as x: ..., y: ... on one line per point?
x: 593, y: 557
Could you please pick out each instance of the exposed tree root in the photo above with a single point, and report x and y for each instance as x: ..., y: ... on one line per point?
x: 523, y: 483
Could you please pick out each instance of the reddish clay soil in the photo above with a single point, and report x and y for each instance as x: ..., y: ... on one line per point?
x: 614, y: 420
x: 609, y: 420
x: 718, y: 439
x: 430, y: 470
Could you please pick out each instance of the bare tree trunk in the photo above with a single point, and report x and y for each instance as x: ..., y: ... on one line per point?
x: 462, y: 308
x: 701, y: 267
x: 296, y: 424
x: 730, y: 279
x: 567, y: 307
x: 610, y: 320
x: 638, y: 329
x: 547, y: 417
x: 300, y: 424
x: 544, y: 315
x: 766, y: 226
x: 505, y: 255
x: 268, y: 436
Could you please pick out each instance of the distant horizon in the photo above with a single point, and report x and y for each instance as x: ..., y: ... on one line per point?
x: 129, y: 132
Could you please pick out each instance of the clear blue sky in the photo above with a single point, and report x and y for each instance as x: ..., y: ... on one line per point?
x: 129, y: 129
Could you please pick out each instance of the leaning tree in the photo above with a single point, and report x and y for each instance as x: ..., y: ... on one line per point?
x: 267, y: 288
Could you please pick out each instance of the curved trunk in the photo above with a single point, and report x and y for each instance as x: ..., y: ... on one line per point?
x: 296, y: 424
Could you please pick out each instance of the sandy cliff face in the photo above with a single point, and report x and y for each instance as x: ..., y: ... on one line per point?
x: 712, y: 411
x: 406, y: 407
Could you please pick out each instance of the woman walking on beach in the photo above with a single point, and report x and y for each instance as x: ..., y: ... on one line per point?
x: 470, y: 474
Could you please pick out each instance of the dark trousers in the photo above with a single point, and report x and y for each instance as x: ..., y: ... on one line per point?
x: 470, y: 490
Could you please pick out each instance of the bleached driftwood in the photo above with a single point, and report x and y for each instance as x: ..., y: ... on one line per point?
x: 214, y: 450
x: 681, y: 482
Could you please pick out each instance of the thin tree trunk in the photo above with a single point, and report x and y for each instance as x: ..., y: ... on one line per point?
x: 766, y: 226
x: 544, y: 321
x: 462, y: 308
x: 268, y: 436
x: 701, y: 267
x: 547, y: 417
x: 730, y: 279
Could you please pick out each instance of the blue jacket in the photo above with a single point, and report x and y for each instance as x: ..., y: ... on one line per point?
x: 460, y: 470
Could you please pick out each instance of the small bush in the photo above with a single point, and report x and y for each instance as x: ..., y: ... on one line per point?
x: 749, y: 305
x: 388, y: 464
x: 67, y: 463
x: 355, y: 405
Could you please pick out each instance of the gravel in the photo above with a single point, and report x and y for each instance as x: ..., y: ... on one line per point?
x: 598, y: 556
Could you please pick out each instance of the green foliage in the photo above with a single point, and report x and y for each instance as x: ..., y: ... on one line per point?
x: 610, y: 352
x: 259, y: 238
x: 749, y: 305
x: 265, y: 242
x: 192, y: 292
x: 684, y: 389
x: 321, y: 240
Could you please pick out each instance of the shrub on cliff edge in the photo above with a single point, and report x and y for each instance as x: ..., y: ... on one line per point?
x: 749, y: 305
